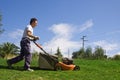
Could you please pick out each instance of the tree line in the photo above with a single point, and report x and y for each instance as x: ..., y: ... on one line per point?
x: 88, y: 53
x: 8, y: 49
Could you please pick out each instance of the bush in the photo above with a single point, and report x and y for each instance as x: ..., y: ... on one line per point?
x: 116, y: 57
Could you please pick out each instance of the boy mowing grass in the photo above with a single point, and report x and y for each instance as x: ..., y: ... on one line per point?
x: 25, y: 52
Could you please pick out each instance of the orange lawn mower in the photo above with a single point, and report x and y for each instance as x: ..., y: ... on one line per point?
x: 51, y: 62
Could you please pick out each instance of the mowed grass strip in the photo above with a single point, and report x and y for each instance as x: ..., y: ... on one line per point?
x: 89, y: 70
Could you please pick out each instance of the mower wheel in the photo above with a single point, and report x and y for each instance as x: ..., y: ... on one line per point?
x: 77, y: 68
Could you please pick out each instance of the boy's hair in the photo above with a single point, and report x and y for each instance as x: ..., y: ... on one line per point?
x: 33, y: 20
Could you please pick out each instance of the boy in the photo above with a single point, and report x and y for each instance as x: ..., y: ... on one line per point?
x: 25, y: 51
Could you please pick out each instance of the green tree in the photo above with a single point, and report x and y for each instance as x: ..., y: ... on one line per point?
x: 116, y: 57
x: 88, y: 53
x: 59, y: 53
x: 8, y: 48
x: 81, y: 53
x: 78, y: 54
x: 75, y: 55
x: 99, y: 53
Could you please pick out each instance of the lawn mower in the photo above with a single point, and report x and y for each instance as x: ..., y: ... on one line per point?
x: 51, y: 62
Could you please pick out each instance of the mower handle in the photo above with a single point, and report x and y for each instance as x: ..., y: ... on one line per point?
x: 39, y: 46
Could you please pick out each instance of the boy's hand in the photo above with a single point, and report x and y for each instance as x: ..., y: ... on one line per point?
x: 36, y: 38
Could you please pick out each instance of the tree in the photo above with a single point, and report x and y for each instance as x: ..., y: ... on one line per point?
x: 81, y: 53
x: 99, y: 53
x: 58, y: 53
x: 88, y: 53
x: 78, y: 54
x: 8, y: 48
x: 1, y: 30
x: 116, y: 57
x: 75, y: 54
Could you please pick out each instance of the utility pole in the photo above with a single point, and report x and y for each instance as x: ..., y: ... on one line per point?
x: 68, y: 53
x: 51, y: 50
x: 83, y: 40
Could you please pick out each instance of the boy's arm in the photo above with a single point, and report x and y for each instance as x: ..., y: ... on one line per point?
x: 32, y: 36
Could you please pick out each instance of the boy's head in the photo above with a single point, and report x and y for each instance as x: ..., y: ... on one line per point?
x: 33, y: 22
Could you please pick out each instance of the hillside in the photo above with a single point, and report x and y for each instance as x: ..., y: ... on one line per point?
x: 90, y: 70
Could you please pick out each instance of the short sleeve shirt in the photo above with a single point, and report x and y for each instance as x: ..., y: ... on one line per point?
x: 28, y: 28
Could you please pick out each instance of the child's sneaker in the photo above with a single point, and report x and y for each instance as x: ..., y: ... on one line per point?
x: 30, y: 69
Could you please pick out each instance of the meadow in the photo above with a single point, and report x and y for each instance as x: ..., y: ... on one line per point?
x: 89, y: 70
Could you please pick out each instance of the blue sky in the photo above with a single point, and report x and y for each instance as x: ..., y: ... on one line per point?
x: 62, y: 23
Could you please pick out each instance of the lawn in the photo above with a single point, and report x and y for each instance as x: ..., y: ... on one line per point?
x: 90, y: 70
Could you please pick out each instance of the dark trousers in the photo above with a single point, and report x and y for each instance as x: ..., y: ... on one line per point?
x: 24, y: 53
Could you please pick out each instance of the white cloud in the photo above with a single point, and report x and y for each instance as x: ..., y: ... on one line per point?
x: 86, y: 25
x: 63, y: 43
x: 106, y: 45
x: 16, y: 34
x: 118, y: 53
x: 62, y: 30
x: 109, y: 47
x: 63, y: 37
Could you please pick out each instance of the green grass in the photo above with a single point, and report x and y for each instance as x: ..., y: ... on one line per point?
x: 90, y: 70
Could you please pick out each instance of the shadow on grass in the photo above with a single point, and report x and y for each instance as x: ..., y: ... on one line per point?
x: 20, y: 68
x: 3, y: 67
x: 37, y: 68
x: 12, y: 68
